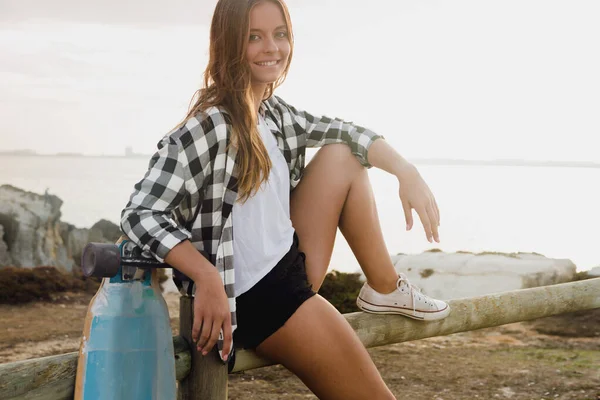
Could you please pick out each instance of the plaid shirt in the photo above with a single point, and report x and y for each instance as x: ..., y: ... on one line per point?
x: 191, y: 183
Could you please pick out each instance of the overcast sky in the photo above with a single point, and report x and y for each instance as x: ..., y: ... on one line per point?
x: 458, y: 78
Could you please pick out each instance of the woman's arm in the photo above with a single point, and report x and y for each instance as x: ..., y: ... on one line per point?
x: 414, y: 192
x: 364, y: 144
x: 147, y: 218
x: 322, y: 130
x: 176, y: 172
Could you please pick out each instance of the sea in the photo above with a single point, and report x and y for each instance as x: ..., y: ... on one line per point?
x: 551, y: 210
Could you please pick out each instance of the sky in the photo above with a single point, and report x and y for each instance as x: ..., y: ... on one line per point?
x: 466, y: 79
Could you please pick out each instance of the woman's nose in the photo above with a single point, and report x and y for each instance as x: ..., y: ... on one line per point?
x: 270, y: 46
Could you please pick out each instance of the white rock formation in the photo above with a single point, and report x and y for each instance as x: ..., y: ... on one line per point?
x: 459, y: 275
x: 32, y: 228
x: 594, y: 272
x: 32, y: 234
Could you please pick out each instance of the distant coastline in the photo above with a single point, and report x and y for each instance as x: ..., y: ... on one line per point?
x: 31, y: 153
x: 506, y: 163
x: 419, y: 161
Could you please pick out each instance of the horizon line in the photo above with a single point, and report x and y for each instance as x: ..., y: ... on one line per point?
x: 416, y: 160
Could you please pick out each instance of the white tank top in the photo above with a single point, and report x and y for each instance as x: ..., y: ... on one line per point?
x: 262, y: 228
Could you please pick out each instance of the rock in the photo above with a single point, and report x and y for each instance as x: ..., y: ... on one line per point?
x: 104, y: 230
x: 459, y: 275
x: 33, y: 234
x: 594, y: 272
x: 507, y: 392
x: 76, y: 240
x: 31, y: 228
x: 4, y: 254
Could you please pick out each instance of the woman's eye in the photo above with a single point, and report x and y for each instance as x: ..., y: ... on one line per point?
x: 253, y: 38
x: 281, y: 35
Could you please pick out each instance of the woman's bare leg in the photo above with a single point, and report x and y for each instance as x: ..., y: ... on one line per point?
x: 326, y: 354
x: 335, y: 191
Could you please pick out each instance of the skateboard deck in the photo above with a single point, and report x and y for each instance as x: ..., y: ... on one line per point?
x: 126, y: 350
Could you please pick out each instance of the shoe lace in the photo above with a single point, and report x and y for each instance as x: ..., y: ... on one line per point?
x: 414, y: 290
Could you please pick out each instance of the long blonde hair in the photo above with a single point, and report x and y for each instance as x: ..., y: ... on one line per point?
x: 227, y: 83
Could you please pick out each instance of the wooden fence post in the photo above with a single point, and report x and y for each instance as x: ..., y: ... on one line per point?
x: 207, y: 379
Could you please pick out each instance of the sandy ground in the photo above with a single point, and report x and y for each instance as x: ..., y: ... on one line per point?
x: 510, y: 362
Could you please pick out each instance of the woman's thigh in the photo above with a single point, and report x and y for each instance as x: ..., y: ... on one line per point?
x: 320, y: 347
x: 317, y: 202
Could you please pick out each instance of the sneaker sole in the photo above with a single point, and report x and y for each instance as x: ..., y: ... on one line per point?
x: 418, y: 315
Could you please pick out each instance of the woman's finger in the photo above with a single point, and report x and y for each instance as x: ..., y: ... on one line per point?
x: 205, y: 333
x: 437, y: 210
x: 407, y: 214
x: 426, y: 222
x: 227, y: 337
x: 434, y: 223
x: 197, y: 326
x: 213, y: 337
x: 433, y: 214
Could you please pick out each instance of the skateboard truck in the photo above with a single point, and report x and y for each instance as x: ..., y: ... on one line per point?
x: 103, y: 260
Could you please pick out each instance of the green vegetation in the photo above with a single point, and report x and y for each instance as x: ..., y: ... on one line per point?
x: 566, y: 359
x: 23, y: 285
x: 426, y: 273
x: 341, y: 289
x: 582, y: 275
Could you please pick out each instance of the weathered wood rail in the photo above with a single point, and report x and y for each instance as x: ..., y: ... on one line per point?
x: 206, y: 378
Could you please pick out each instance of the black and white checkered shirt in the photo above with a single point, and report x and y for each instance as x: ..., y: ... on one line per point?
x: 191, y: 183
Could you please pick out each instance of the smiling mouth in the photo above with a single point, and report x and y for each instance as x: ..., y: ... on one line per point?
x: 267, y: 63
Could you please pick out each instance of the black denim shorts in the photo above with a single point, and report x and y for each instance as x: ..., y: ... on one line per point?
x: 266, y: 307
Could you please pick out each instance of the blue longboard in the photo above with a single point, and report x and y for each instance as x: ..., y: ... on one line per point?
x: 126, y: 351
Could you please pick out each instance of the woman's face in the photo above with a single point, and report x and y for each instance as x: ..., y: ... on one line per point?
x: 268, y: 43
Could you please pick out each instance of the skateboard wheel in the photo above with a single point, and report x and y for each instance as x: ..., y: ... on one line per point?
x: 101, y: 260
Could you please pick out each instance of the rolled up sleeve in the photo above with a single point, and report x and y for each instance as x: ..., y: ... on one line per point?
x: 147, y: 219
x: 322, y: 130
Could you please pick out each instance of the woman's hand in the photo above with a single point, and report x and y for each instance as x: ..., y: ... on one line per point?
x: 414, y: 193
x: 211, y: 313
x: 211, y: 306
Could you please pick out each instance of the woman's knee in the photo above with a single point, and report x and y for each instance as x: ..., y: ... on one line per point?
x: 339, y: 155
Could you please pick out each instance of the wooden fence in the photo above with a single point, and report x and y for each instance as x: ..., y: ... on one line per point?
x: 206, y: 378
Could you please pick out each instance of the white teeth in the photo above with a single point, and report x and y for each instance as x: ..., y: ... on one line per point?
x: 267, y: 64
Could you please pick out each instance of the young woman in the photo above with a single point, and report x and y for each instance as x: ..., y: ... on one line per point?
x: 228, y: 202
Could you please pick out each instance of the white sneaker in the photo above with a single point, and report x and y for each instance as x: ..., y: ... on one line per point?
x: 406, y: 300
